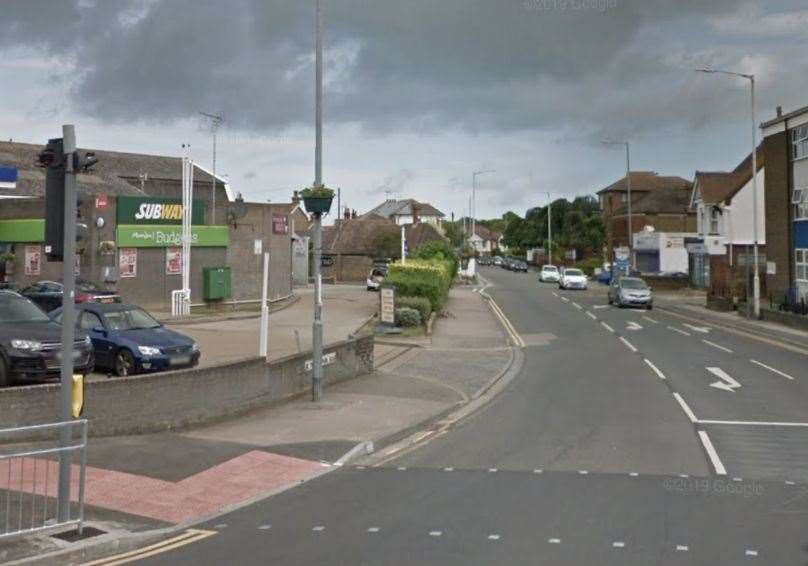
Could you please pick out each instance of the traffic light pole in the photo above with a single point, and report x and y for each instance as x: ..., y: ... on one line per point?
x: 68, y: 321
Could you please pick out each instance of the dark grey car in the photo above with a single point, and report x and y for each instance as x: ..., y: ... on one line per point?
x: 630, y: 292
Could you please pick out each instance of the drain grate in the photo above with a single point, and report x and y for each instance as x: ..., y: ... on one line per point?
x: 73, y: 534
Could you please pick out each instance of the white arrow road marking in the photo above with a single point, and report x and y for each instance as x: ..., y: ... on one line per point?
x: 777, y: 371
x: 711, y: 452
x: 702, y: 329
x: 727, y: 383
x: 631, y: 325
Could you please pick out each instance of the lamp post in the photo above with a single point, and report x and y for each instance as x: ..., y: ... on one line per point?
x: 549, y: 229
x: 474, y: 198
x: 317, y: 326
x: 756, y: 276
x: 628, y: 196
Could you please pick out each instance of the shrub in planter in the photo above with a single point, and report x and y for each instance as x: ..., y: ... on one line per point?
x: 406, y: 316
x: 317, y: 199
x: 421, y: 304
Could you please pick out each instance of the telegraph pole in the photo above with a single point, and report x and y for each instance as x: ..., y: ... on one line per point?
x: 215, y: 121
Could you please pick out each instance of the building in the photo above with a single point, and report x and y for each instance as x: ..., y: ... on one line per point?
x: 785, y: 150
x: 485, y: 241
x: 132, y: 206
x: 408, y: 211
x: 725, y: 209
x: 661, y: 202
x: 662, y: 253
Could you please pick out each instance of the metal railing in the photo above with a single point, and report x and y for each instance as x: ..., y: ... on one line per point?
x: 29, y: 480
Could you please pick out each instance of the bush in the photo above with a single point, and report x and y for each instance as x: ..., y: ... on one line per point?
x: 406, y: 316
x: 429, y: 279
x: 439, y: 250
x: 421, y: 304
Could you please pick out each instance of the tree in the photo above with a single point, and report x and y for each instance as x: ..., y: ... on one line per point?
x: 386, y: 244
x: 454, y: 231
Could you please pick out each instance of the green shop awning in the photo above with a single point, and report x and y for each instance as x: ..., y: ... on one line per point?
x: 166, y: 236
x: 29, y: 230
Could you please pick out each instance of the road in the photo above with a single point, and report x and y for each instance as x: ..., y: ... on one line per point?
x: 627, y: 437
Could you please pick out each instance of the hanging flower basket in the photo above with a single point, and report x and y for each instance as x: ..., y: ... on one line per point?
x: 317, y: 200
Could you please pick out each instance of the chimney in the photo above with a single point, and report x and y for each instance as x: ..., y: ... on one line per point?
x: 347, y: 213
x: 415, y: 212
x: 295, y: 198
x: 779, y: 111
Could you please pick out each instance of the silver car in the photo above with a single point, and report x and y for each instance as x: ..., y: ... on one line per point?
x: 631, y: 292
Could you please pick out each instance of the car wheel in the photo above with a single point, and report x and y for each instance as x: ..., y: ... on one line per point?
x: 124, y: 363
x: 5, y: 374
x: 650, y: 307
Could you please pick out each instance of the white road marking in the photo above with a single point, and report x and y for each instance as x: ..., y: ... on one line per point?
x: 656, y: 369
x: 685, y: 408
x: 220, y: 526
x: 751, y: 552
x: 711, y: 452
x: 718, y: 346
x: 537, y: 471
x: 576, y: 305
x: 600, y: 307
x: 583, y: 472
x: 554, y: 540
x: 727, y: 382
x: 777, y: 371
x: 702, y: 329
x: 590, y: 315
x: 684, y: 475
x: 606, y: 326
x: 492, y: 470
x: 402, y: 468
x: 631, y: 325
x: 373, y: 529
x: 682, y: 547
x: 618, y: 544
x: 651, y: 320
x: 555, y: 294
x: 789, y: 482
x: 737, y: 479
x: 493, y: 537
x: 633, y: 474
x: 679, y: 330
x: 435, y: 533
x: 628, y: 344
x: 265, y: 527
x: 318, y: 528
x: 752, y: 423
x: 565, y: 299
x: 448, y: 469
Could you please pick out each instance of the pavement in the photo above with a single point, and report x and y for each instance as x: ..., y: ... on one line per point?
x: 173, y: 480
x: 626, y: 437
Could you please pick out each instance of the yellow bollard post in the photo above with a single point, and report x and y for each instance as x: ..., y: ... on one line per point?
x: 78, y: 396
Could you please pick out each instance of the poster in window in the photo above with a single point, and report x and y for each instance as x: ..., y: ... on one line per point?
x: 280, y: 224
x: 173, y: 261
x: 33, y: 260
x: 127, y: 262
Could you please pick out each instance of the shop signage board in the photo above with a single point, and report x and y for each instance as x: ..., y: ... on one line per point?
x: 280, y: 224
x: 33, y: 260
x: 173, y: 261
x: 387, y: 308
x: 127, y: 262
x: 156, y: 210
x: 171, y: 236
x: 101, y: 201
x: 22, y: 230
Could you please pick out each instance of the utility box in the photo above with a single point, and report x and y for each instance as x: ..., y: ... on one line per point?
x: 216, y: 283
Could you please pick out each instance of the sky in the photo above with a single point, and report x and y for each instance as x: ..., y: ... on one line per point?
x: 419, y: 94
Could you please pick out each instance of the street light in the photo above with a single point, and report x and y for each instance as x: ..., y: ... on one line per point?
x: 549, y: 229
x: 474, y: 198
x: 756, y: 277
x: 628, y: 197
x: 317, y: 233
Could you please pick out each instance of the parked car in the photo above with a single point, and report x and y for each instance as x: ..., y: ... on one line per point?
x: 48, y: 294
x: 549, y: 274
x: 520, y: 266
x: 630, y: 292
x: 31, y: 343
x: 573, y: 279
x: 375, y: 278
x: 128, y: 340
x: 497, y: 260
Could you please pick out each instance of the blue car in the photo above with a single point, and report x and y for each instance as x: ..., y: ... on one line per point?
x: 128, y: 340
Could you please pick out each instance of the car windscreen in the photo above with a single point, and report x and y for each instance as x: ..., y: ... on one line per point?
x: 131, y: 319
x: 574, y: 273
x: 633, y: 284
x: 16, y: 309
x: 549, y: 268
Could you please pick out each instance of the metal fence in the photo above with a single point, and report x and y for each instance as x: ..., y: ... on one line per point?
x: 792, y: 302
x: 29, y: 477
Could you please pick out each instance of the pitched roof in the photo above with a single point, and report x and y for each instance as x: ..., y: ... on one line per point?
x: 485, y: 233
x: 392, y: 207
x: 643, y: 181
x: 660, y: 201
x: 358, y: 235
x: 107, y: 176
x: 719, y: 186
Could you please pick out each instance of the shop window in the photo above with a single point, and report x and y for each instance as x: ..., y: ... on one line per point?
x: 801, y: 264
x: 799, y: 142
x: 799, y: 198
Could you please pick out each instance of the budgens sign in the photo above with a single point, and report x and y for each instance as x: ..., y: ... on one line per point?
x: 156, y: 210
x: 166, y: 236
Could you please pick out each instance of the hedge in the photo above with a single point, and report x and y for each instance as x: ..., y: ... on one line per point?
x: 421, y: 304
x: 406, y: 316
x: 429, y: 279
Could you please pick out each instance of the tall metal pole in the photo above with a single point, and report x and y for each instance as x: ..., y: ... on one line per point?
x: 317, y: 326
x: 473, y: 204
x: 403, y: 245
x: 68, y: 320
x: 549, y: 229
x: 213, y: 184
x: 756, y: 283
x: 628, y: 190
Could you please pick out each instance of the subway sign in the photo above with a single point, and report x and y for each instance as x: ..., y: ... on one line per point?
x: 156, y: 210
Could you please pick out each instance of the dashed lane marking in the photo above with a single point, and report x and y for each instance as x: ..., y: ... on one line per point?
x: 656, y: 369
x: 682, y: 548
x: 628, y: 344
x: 554, y: 540
x: 679, y: 330
x: 493, y: 537
x: 565, y: 299
x: 777, y: 371
x: 606, y: 326
x: 492, y: 470
x: 448, y: 469
x: 712, y: 454
x: 435, y: 533
x: 751, y: 553
x: 590, y: 315
x: 264, y: 527
x: 373, y: 529
x: 618, y: 544
x: 600, y: 307
x: 318, y: 528
x: 651, y: 320
x: 537, y: 471
x: 717, y: 346
x: 685, y: 408
x: 633, y: 474
x: 577, y: 306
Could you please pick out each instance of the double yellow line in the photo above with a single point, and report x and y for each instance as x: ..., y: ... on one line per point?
x: 188, y: 537
x: 512, y: 333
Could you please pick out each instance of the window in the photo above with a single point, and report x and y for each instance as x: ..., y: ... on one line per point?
x: 799, y: 199
x: 90, y: 320
x: 714, y: 217
x: 799, y: 142
x: 801, y: 263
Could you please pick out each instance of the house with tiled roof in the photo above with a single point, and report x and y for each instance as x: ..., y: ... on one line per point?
x: 407, y: 211
x: 485, y: 241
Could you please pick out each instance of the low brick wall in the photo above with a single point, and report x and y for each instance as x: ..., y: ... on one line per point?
x: 666, y: 283
x: 165, y: 401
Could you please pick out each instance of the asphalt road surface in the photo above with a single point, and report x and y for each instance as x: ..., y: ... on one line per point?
x: 628, y: 437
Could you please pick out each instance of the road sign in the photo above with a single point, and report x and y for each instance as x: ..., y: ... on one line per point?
x: 327, y: 261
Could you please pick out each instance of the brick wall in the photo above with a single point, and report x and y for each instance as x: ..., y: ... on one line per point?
x: 778, y: 212
x: 353, y: 268
x: 170, y: 400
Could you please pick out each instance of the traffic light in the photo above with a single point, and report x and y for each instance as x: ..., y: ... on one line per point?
x: 52, y: 158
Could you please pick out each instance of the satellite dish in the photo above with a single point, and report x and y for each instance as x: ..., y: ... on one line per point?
x: 237, y: 210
